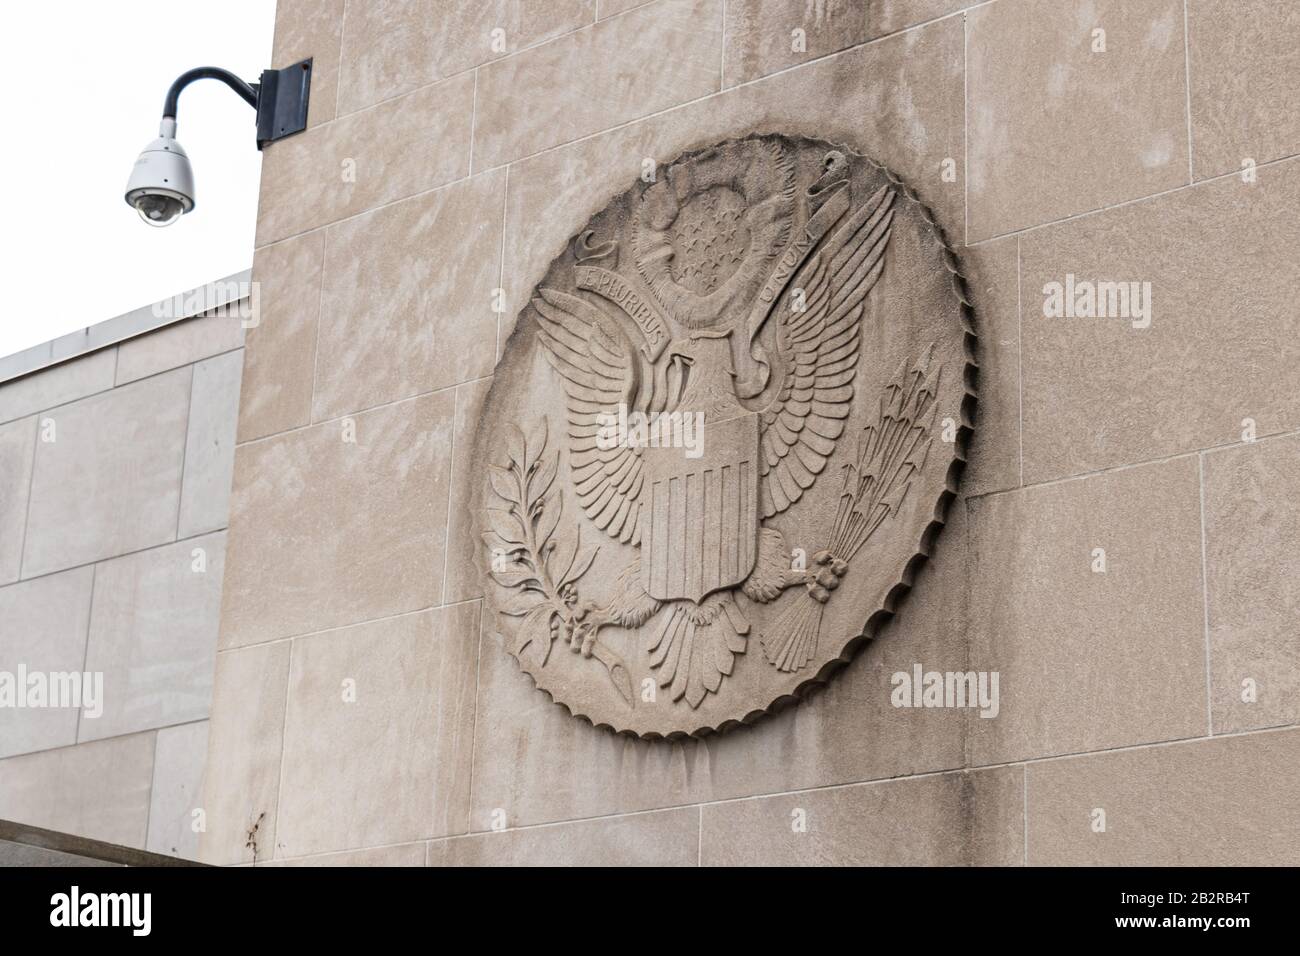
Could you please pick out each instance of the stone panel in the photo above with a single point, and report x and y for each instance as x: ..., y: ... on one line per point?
x: 598, y: 77
x: 177, y: 785
x: 280, y: 358
x: 1058, y: 128
x: 1089, y: 660
x: 407, y: 304
x: 393, y: 48
x: 339, y: 523
x: 764, y: 36
x: 890, y: 16
x: 153, y: 635
x: 98, y: 790
x: 1224, y: 802
x: 969, y: 818
x: 43, y: 625
x: 183, y: 343
x: 241, y: 782
x: 1245, y: 70
x: 1218, y: 266
x: 58, y: 385
x: 378, y: 733
x: 664, y: 838
x: 1252, y: 566
x: 210, y: 444
x: 17, y: 449
x: 110, y: 482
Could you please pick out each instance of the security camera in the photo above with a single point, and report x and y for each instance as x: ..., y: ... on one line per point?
x: 161, y: 187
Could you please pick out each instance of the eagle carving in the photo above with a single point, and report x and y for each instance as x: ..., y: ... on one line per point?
x: 708, y: 353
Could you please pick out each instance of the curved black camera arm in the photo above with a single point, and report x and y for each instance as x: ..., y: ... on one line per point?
x: 247, y: 92
x: 280, y: 98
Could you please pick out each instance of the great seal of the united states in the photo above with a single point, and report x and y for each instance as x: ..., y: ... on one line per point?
x: 723, y: 434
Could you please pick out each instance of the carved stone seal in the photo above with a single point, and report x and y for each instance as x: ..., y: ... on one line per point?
x: 727, y: 425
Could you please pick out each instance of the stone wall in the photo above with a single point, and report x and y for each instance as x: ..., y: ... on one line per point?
x: 114, y: 480
x: 1123, y: 552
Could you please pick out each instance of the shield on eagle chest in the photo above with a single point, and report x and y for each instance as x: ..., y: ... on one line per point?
x: 699, y: 530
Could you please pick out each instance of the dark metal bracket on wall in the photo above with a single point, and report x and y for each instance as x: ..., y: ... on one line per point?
x: 282, y: 102
x: 280, y: 97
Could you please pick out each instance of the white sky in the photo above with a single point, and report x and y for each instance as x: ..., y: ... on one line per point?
x: 85, y: 82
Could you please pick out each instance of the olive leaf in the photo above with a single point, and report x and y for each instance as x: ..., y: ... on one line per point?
x: 582, y: 559
x: 537, y: 629
x: 522, y: 531
x: 541, y: 573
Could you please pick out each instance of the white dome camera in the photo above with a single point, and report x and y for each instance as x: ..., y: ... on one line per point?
x: 161, y: 187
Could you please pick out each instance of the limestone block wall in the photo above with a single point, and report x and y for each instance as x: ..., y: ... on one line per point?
x: 1124, y: 550
x: 114, y: 479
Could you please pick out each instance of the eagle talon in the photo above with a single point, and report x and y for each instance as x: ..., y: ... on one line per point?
x: 584, y: 630
x: 829, y: 571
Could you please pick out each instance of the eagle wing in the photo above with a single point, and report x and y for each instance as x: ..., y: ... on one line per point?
x: 819, y: 347
x: 599, y: 371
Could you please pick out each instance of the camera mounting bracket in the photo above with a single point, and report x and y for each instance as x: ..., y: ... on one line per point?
x: 280, y: 97
x: 282, y: 102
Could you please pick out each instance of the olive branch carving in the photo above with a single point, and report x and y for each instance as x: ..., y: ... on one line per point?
x: 540, y: 572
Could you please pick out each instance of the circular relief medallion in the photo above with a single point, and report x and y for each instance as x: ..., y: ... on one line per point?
x: 726, y: 427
